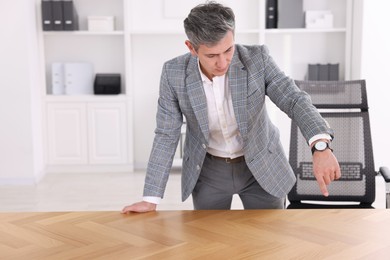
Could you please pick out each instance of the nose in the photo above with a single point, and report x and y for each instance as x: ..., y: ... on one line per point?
x: 222, y: 61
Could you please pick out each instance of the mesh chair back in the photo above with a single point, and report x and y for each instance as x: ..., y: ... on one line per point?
x: 344, y: 105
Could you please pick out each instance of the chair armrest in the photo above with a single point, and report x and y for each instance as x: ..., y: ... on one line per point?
x: 385, y: 173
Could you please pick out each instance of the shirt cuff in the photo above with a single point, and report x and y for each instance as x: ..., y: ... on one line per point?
x: 150, y: 199
x: 318, y: 137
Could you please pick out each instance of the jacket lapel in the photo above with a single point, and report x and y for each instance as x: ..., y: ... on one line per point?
x: 239, y: 87
x: 197, y: 96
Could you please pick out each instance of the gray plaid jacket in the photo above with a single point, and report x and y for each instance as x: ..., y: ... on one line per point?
x: 252, y: 75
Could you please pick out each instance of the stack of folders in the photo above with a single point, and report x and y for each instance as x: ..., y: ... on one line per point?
x: 72, y: 78
x: 320, y: 72
x: 59, y: 15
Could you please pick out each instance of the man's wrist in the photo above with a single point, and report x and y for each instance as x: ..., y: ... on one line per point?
x: 152, y: 199
x: 320, y: 146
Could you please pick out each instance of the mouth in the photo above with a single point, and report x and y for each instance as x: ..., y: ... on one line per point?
x: 221, y: 70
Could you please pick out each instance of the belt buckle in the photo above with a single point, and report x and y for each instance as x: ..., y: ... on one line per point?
x: 228, y: 160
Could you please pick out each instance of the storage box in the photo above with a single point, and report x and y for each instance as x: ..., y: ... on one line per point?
x: 107, y: 84
x: 101, y: 23
x: 319, y: 19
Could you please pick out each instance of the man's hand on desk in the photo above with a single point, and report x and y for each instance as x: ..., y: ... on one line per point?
x: 326, y: 169
x: 140, y: 207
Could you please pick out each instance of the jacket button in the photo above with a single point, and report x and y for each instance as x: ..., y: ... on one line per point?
x: 204, y: 146
x: 198, y: 167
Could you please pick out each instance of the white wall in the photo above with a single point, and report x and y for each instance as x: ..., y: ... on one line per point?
x: 20, y: 129
x: 376, y: 70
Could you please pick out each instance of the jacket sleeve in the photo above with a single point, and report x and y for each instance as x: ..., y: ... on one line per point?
x: 291, y: 100
x: 167, y: 134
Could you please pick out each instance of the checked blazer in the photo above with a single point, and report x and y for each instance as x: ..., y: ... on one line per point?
x: 252, y: 76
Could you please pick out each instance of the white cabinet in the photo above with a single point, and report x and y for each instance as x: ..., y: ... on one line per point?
x: 87, y: 133
x: 107, y: 133
x: 67, y: 132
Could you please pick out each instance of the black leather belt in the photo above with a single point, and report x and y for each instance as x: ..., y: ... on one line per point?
x: 227, y: 160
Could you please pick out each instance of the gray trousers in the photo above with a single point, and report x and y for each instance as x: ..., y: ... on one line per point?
x: 219, y: 181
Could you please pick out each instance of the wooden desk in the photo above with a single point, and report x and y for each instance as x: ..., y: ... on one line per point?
x: 236, y: 234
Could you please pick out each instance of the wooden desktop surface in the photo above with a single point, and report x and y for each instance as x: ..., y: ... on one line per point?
x: 235, y: 234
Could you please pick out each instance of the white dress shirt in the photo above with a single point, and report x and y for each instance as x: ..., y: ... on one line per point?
x: 224, y: 137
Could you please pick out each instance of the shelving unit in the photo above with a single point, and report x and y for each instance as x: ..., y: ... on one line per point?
x: 148, y: 33
x: 89, y: 132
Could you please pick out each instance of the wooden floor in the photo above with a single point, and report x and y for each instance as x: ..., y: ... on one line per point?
x: 235, y: 234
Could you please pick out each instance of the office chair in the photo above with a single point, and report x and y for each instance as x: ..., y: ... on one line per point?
x: 343, y: 104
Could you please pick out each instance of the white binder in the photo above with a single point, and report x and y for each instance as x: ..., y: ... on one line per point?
x: 57, y: 79
x: 79, y: 78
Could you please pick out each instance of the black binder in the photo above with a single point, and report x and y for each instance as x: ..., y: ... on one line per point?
x: 334, y: 71
x: 271, y: 14
x: 313, y: 72
x: 57, y: 15
x: 323, y: 72
x: 47, y: 15
x: 70, y: 17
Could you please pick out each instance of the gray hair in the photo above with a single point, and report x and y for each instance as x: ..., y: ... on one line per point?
x: 208, y: 23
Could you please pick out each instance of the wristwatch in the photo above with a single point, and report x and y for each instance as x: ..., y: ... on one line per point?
x: 320, y: 146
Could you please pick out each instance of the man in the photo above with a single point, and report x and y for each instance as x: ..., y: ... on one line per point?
x: 231, y: 146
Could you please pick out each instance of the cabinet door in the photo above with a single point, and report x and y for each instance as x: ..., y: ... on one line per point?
x: 67, y: 129
x: 107, y: 133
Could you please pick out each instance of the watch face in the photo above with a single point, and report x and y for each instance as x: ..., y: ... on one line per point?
x: 320, y: 146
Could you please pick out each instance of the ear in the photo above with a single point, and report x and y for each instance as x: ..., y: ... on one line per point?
x: 191, y: 48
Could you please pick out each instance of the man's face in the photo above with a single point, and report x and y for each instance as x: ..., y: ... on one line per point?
x: 215, y: 60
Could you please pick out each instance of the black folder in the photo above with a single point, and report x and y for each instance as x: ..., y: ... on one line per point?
x: 313, y: 72
x: 57, y: 15
x: 47, y: 16
x: 271, y: 14
x: 323, y: 72
x: 334, y: 71
x: 70, y: 17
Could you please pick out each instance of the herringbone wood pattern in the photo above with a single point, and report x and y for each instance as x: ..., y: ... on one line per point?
x: 236, y: 234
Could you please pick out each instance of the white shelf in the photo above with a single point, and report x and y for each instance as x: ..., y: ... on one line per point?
x: 82, y: 33
x: 86, y: 98
x: 181, y: 32
x: 305, y: 30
